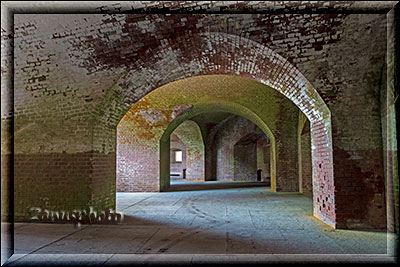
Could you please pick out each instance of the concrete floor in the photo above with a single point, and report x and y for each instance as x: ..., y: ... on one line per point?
x: 241, y: 223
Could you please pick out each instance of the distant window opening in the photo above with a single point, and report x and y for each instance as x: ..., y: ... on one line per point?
x: 178, y: 156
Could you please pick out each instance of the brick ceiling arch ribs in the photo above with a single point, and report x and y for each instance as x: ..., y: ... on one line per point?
x: 321, y: 160
x: 212, y: 53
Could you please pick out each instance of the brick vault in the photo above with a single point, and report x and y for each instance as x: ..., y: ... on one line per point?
x: 86, y: 97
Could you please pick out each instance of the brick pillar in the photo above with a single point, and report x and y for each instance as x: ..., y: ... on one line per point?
x: 323, y: 181
x: 287, y: 148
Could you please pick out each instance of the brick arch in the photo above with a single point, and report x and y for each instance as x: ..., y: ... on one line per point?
x: 220, y: 106
x: 221, y: 53
x: 245, y: 156
x: 211, y: 53
x: 221, y: 153
x: 189, y: 133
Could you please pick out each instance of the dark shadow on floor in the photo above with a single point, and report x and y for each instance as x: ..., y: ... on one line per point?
x: 212, y: 185
x: 145, y: 236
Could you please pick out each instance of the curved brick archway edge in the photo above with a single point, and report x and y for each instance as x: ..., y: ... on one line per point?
x: 220, y: 106
x: 220, y: 53
x: 143, y: 133
x: 189, y: 132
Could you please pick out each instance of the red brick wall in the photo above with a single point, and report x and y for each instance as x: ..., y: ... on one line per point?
x: 52, y: 182
x: 211, y: 152
x: 103, y: 183
x: 324, y: 186
x: 263, y: 158
x: 245, y: 162
x: 224, y: 146
x: 135, y: 161
x: 189, y: 132
x: 177, y: 144
x: 306, y: 160
x: 286, y: 148
x: 75, y: 74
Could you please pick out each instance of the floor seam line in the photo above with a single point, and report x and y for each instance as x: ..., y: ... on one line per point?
x: 251, y: 218
x: 136, y: 203
x: 32, y: 252
x: 139, y: 248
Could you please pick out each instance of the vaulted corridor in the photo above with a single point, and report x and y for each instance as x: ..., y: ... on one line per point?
x: 199, y: 131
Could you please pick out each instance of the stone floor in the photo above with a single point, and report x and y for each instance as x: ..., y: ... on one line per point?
x: 237, y: 224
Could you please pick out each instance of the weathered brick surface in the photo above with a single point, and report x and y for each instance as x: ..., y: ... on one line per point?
x: 52, y: 182
x: 210, y: 152
x: 352, y: 94
x: 230, y: 151
x: 287, y: 170
x: 324, y: 185
x: 233, y: 161
x: 190, y: 134
x: 141, y: 128
x: 177, y: 144
x: 306, y: 160
x: 103, y: 186
x: 263, y: 158
x: 77, y: 75
x: 245, y: 162
x: 135, y: 148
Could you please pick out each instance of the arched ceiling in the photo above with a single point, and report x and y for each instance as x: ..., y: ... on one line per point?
x: 164, y: 104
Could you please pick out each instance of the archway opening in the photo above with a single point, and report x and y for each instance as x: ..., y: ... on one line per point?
x: 187, y: 157
x: 251, y: 159
x: 177, y: 158
x: 145, y: 130
x: 305, y: 156
x: 220, y: 131
x: 215, y: 158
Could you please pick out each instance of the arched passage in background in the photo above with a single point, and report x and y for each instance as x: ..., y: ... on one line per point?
x: 305, y: 158
x: 248, y: 163
x: 264, y: 160
x: 177, y: 155
x: 204, y: 109
x: 221, y: 140
x: 193, y: 157
x: 211, y: 53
